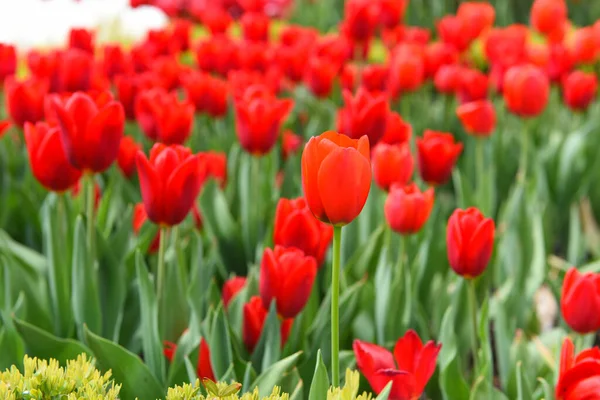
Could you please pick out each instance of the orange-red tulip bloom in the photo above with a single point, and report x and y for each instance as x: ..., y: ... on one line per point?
x: 255, y: 316
x: 580, y: 301
x: 477, y: 117
x: 437, y: 154
x: 547, y: 15
x: 8, y: 61
x: 365, y: 114
x: 479, y: 16
x: 579, y: 375
x: 526, y: 90
x: 397, y: 130
x: 25, y: 99
x: 204, y: 369
x: 407, y: 208
x: 579, y: 89
x: 128, y: 150
x: 392, y: 164
x: 208, y: 94
x: 232, y: 287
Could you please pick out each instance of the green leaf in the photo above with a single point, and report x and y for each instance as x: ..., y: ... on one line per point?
x: 366, y: 256
x: 221, y: 355
x: 85, y: 301
x: 127, y: 368
x: 452, y: 382
x: 523, y: 390
x: 383, y: 281
x: 268, y: 348
x: 547, y: 389
x: 320, y: 381
x: 274, y: 374
x: 151, y: 343
x: 385, y: 393
x: 44, y: 345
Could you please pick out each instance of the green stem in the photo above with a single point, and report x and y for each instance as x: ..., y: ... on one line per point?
x: 335, y: 307
x: 524, y: 156
x: 161, y: 263
x: 480, y: 167
x: 90, y: 197
x: 179, y: 253
x: 474, y: 346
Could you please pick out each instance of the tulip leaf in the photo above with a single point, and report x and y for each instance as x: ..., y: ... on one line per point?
x: 273, y: 375
x: 383, y: 280
x: 12, y: 345
x: 127, y: 368
x: 221, y: 355
x: 173, y: 308
x: 547, y: 389
x: 151, y: 343
x: 452, y: 381
x: 523, y: 390
x: 365, y: 258
x: 320, y: 380
x: 385, y: 393
x: 268, y: 348
x: 44, y: 345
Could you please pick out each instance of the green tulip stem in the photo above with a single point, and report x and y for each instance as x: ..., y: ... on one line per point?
x: 522, y: 174
x: 480, y: 167
x: 161, y: 263
x: 89, y: 212
x: 473, y: 301
x: 335, y: 307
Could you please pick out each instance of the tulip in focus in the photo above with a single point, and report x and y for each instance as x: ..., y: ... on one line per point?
x: 255, y: 316
x: 579, y: 89
x: 437, y: 154
x: 25, y: 100
x: 407, y: 209
x: 366, y: 114
x: 578, y: 375
x: 477, y: 117
x: 336, y: 176
x: 409, y: 367
x: 48, y: 158
x: 526, y: 90
x: 231, y: 288
x: 469, y: 241
x: 204, y: 370
x: 127, y: 153
x: 580, y: 301
x: 392, y: 164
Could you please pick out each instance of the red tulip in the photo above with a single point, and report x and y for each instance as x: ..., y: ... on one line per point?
x: 579, y: 89
x: 90, y: 134
x: 364, y: 114
x: 255, y: 316
x: 259, y: 115
x: 478, y: 16
x: 438, y: 54
x: 337, y: 48
x: 216, y: 166
x: 128, y: 87
x: 319, y: 75
x: 470, y: 241
x: 8, y: 61
x: 232, y: 287
x: 478, y: 117
x: 255, y: 26
x: 547, y: 15
x: 448, y: 78
x: 116, y: 61
x: 256, y: 56
x: 455, y: 31
x: 167, y: 70
x: 290, y: 143
x: 360, y: 20
x: 141, y: 57
x: 75, y: 69
x: 526, y: 90
x: 204, y: 369
x: 292, y: 35
x: 139, y: 219
x: 334, y: 197
x: 163, y: 117
x: 219, y: 54
x: 585, y: 46
x: 561, y: 62
x: 407, y: 208
x: 473, y: 85
x: 505, y: 47
x: 181, y: 32
x: 208, y: 94
x: 392, y: 164
x: 437, y: 154
x: 295, y: 226
x: 4, y: 126
x: 538, y: 54
x: 25, y: 100
x: 82, y: 39
x: 391, y: 12
x: 397, y: 130
x: 292, y: 60
x: 48, y: 158
x: 579, y: 376
x: 580, y: 301
x: 286, y: 276
x: 409, y: 368
x: 44, y: 67
x: 170, y: 182
x: 127, y: 153
x: 215, y: 18
x: 407, y: 69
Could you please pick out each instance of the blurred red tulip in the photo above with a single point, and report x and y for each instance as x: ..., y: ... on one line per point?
x: 391, y: 12
x: 409, y: 367
x: 319, y: 75
x: 204, y: 369
x: 215, y: 18
x: 477, y: 117
x: 438, y: 54
x: 43, y: 66
x: 538, y: 54
x: 437, y: 154
x: 579, y: 89
x: 255, y: 26
x: 167, y: 71
x: 75, y: 68
x: 334, y: 197
x: 505, y: 47
x: 163, y: 117
x: 232, y: 287
x: 141, y: 57
x: 397, y: 130
x: 473, y: 85
x: 455, y: 31
x: 585, y: 46
x: 407, y: 208
x: 547, y: 15
x: 25, y: 99
x: 8, y: 61
x: 254, y: 320
x: 360, y: 20
x: 181, y: 33
x: 526, y: 90
x: 560, y: 63
x: 448, y: 78
x: 216, y: 166
x: 241, y: 80
x: 392, y: 164
x: 293, y: 35
x: 127, y: 153
x: 48, y: 158
x: 218, y: 54
x: 295, y: 226
x: 580, y: 301
x: 256, y: 56
x: 579, y: 376
x: 4, y: 126
x: 470, y: 241
x: 407, y: 69
x: 259, y: 115
x: 290, y: 144
x: 208, y: 94
x: 129, y: 87
x: 286, y: 276
x: 139, y: 219
x: 336, y: 48
x: 374, y: 77
x: 170, y: 182
x: 82, y: 39
x: 478, y: 16
x: 90, y: 133
x: 365, y: 114
x: 292, y: 60
x: 116, y: 61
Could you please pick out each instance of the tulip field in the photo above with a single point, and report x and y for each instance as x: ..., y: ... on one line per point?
x: 310, y: 199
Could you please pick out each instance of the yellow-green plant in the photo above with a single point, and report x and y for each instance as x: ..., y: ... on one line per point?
x: 45, y: 380
x: 220, y: 391
x: 350, y: 389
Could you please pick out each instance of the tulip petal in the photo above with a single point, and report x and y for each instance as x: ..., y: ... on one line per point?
x: 425, y: 366
x: 183, y: 187
x: 310, y: 171
x: 406, y: 351
x: 152, y: 189
x: 103, y: 136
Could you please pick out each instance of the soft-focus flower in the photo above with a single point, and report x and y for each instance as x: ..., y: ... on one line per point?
x: 115, y: 61
x: 43, y: 66
x: 454, y: 31
x: 163, y: 117
x: 319, y: 75
x: 365, y: 114
x: 208, y: 94
x: 232, y: 287
x: 128, y: 87
x: 336, y: 176
x: 290, y: 143
x: 548, y: 15
x: 579, y: 375
x: 407, y: 208
x: 295, y: 226
x: 127, y: 153
x: 397, y: 130
x: 204, y: 369
x: 407, y: 69
x: 360, y: 20
x: 259, y: 115
x: 470, y: 241
x: 473, y: 85
x: 438, y: 54
x: 167, y: 70
x: 505, y: 47
x: 479, y: 16
x: 219, y: 54
x: 25, y: 99
x: 409, y: 367
x: 448, y: 78
x: 437, y: 154
x: 4, y: 126
x: 292, y: 60
x: 255, y: 316
x: 286, y: 276
x: 170, y: 182
x: 75, y: 68
x: 139, y: 219
x: 561, y: 62
x: 8, y: 61
x: 181, y: 33
x: 579, y: 89
x: 48, y: 158
x: 216, y: 166
x: 216, y: 19
x: 82, y: 39
x: 392, y: 164
x: 526, y: 90
x: 391, y: 12
x: 477, y: 117
x: 90, y: 133
x: 255, y: 26
x: 580, y: 301
x: 585, y: 45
